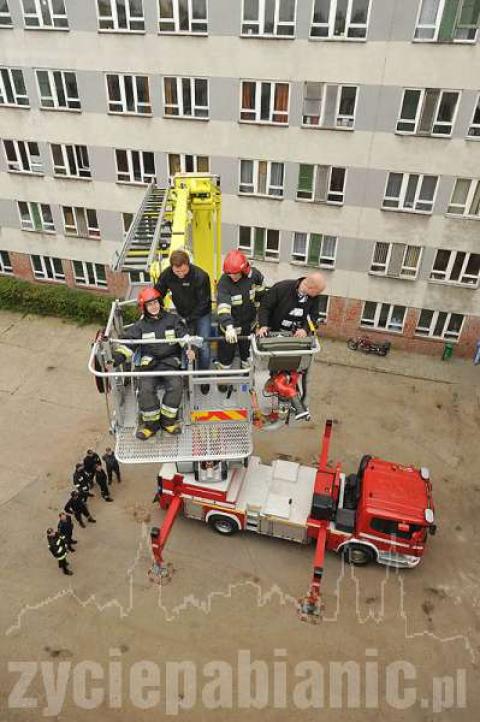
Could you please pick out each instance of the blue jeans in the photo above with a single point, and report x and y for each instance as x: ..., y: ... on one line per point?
x: 202, y: 327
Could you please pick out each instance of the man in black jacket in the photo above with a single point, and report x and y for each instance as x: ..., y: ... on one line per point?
x: 89, y: 462
x: 81, y: 481
x: 58, y: 550
x: 101, y: 479
x: 65, y: 529
x: 192, y: 297
x: 76, y: 506
x: 112, y: 465
x: 291, y: 305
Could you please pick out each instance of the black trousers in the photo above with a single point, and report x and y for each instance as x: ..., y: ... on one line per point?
x: 113, y: 470
x: 226, y: 351
x: 103, y: 489
x: 78, y: 515
x: 63, y: 564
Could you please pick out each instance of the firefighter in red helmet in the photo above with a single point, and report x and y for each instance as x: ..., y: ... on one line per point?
x: 156, y: 323
x: 239, y: 291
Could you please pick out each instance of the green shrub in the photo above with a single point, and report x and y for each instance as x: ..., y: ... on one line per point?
x: 48, y: 300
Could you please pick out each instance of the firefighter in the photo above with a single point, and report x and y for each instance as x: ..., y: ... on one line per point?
x: 76, y: 506
x: 156, y: 323
x: 81, y: 481
x: 89, y: 462
x: 101, y: 479
x: 292, y: 305
x: 111, y: 465
x: 192, y: 297
x: 239, y: 289
x: 58, y: 549
x: 65, y: 529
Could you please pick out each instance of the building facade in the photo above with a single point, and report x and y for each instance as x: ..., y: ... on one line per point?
x: 345, y: 132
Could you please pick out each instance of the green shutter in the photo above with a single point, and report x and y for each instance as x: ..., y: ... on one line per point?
x: 305, y: 178
x: 259, y: 243
x: 314, y: 249
x: 469, y: 14
x: 448, y: 24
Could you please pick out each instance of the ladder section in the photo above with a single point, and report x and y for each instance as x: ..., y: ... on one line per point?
x: 147, y: 233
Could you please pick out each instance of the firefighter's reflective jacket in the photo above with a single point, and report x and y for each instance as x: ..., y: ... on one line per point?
x: 237, y: 301
x: 57, y: 546
x: 166, y: 326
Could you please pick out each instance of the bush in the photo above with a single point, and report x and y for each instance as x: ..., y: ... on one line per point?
x: 62, y: 301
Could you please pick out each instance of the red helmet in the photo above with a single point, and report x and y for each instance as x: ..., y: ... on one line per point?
x: 148, y: 294
x: 236, y: 262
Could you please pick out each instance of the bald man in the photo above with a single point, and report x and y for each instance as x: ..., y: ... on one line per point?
x: 289, y: 305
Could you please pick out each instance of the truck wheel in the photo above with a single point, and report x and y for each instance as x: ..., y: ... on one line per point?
x: 223, y: 524
x: 357, y: 554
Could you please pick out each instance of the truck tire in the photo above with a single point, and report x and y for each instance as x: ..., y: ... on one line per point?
x: 358, y: 554
x: 223, y: 524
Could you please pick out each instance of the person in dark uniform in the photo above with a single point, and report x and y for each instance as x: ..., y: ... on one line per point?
x: 101, y: 479
x: 81, y: 481
x: 90, y: 462
x: 58, y: 550
x: 239, y: 289
x: 65, y: 529
x: 76, y: 506
x: 291, y: 305
x: 111, y: 465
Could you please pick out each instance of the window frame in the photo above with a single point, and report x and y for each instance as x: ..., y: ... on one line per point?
x: 38, y: 15
x: 72, y: 154
x: 13, y: 90
x: 446, y: 335
x: 93, y: 230
x: 403, y: 190
x: 320, y: 264
x: 27, y: 154
x: 72, y: 104
x: 47, y: 226
x: 6, y: 17
x: 274, y: 256
x: 401, y: 275
x: 435, y: 122
x: 474, y: 125
x: 321, y: 125
x: 84, y: 280
x: 43, y: 274
x: 256, y: 178
x: 256, y: 111
x: 122, y: 79
x: 114, y: 18
x: 376, y: 317
x: 473, y: 191
x: 330, y: 25
x: 6, y: 268
x: 443, y: 276
x: 179, y: 105
x: 260, y: 22
x: 437, y: 25
x: 146, y: 177
x: 328, y: 184
x: 175, y: 20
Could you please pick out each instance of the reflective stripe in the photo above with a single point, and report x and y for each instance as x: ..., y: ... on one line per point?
x: 252, y: 294
x: 224, y: 308
x: 146, y: 360
x: 237, y: 300
x: 245, y: 364
x: 127, y: 352
x: 259, y: 289
x: 223, y: 366
x: 151, y: 415
x: 170, y: 333
x: 150, y: 334
x: 169, y: 411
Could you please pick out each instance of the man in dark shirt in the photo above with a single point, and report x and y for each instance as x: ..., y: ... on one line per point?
x: 291, y: 305
x: 111, y: 464
x: 191, y: 295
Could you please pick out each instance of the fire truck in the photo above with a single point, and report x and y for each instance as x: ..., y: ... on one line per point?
x: 383, y: 512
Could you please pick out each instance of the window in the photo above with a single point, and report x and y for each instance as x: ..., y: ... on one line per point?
x: 439, y: 324
x: 12, y: 87
x: 139, y: 277
x: 45, y: 14
x: 128, y: 94
x: 428, y: 112
x: 80, y: 222
x: 458, y: 267
x: 23, y: 156
x: 135, y: 166
x: 465, y: 200
x: 447, y: 21
x: 186, y: 97
x: 5, y: 263
x: 121, y: 15
x: 260, y: 243
x: 181, y: 163
x: 127, y: 220
x: 264, y: 102
x: 183, y: 16
x: 314, y: 249
x: 410, y: 192
x: 390, y: 527
x: 340, y: 19
x: 397, y: 260
x: 58, y: 89
x: 383, y: 316
x: 269, y: 17
x: 321, y: 184
x: 474, y: 130
x: 48, y: 269
x: 36, y: 217
x: 71, y: 161
x: 329, y: 106
x: 89, y: 274
x: 261, y: 177
x: 5, y: 18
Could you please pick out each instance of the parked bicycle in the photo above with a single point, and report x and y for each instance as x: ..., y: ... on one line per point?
x: 365, y: 344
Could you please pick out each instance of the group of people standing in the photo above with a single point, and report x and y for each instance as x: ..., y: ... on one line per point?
x: 86, y: 474
x: 244, y: 306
